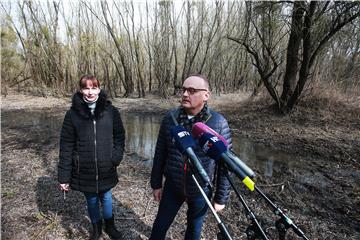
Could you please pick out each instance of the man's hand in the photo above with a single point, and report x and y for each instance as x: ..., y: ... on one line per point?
x: 157, y: 194
x: 218, y: 207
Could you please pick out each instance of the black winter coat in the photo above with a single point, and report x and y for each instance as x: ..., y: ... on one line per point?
x: 91, y: 146
x: 169, y: 162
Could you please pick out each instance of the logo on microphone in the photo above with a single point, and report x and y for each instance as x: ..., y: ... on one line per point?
x: 207, y: 145
x: 214, y: 139
x: 183, y: 134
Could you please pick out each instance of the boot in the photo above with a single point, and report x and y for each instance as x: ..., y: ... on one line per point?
x: 96, y: 231
x: 111, y: 230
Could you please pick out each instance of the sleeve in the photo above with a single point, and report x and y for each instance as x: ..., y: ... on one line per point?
x: 159, y: 158
x: 67, y: 144
x: 222, y: 192
x: 118, y: 138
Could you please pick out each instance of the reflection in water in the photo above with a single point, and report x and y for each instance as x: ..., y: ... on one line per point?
x: 261, y: 159
x: 44, y: 123
x: 141, y: 135
x: 269, y: 167
x: 141, y: 130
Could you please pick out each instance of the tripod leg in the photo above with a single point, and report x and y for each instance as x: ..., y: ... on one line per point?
x: 280, y: 226
x: 251, y: 232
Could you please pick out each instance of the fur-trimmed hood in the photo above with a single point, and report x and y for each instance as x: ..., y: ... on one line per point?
x: 81, y: 107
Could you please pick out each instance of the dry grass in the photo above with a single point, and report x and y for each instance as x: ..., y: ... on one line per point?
x: 321, y: 196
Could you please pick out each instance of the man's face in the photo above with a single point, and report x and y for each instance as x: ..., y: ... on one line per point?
x: 195, y: 94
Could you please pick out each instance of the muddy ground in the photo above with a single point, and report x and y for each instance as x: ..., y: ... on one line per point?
x: 322, y: 196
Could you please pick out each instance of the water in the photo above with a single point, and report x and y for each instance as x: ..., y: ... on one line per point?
x: 141, y: 135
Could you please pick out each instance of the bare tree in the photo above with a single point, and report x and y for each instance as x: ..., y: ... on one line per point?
x: 279, y: 45
x: 313, y: 24
x: 162, y: 49
x: 129, y: 85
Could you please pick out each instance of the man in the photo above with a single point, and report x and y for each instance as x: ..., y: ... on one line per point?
x: 179, y: 186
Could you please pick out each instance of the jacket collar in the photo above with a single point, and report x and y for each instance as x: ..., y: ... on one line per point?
x: 175, y: 113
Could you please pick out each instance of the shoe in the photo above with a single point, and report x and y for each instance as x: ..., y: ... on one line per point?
x: 96, y: 231
x: 111, y: 230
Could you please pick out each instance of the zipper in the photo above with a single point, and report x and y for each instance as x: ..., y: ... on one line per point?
x: 185, y: 170
x: 78, y: 163
x: 96, y: 163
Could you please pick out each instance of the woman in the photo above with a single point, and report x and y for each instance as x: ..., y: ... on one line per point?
x: 91, y: 147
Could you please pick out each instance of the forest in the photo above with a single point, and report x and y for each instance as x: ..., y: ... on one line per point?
x: 150, y: 47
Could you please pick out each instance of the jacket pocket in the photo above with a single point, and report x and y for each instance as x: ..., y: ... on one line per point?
x: 114, y: 159
x: 77, y: 164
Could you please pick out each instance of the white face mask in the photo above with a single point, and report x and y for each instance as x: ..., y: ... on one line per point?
x: 90, y: 94
x: 87, y: 100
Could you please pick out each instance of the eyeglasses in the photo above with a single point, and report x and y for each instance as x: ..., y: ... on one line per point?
x: 87, y: 90
x: 192, y: 91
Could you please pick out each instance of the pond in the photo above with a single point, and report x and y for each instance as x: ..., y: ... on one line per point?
x: 141, y: 135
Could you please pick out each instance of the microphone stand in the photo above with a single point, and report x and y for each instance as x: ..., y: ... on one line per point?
x: 284, y: 222
x: 221, y: 225
x: 254, y: 230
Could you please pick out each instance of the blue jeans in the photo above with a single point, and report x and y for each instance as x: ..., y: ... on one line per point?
x: 170, y: 204
x: 92, y: 200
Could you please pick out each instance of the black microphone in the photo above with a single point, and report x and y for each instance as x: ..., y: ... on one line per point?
x: 240, y: 164
x: 200, y: 128
x: 217, y: 150
x: 185, y: 144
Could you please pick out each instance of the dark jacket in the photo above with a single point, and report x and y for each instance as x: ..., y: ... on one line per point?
x: 169, y: 162
x: 91, y: 146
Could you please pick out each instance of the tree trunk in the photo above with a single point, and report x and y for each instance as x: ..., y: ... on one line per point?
x: 305, y: 64
x: 292, y: 54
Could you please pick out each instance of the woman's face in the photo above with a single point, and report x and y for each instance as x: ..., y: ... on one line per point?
x: 90, y: 92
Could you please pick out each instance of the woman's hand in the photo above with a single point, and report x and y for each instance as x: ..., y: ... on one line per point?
x: 64, y: 187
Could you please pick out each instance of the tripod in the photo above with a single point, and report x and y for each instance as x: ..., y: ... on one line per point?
x: 253, y: 231
x: 284, y: 222
x: 224, y: 231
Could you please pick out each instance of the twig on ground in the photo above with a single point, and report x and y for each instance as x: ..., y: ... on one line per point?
x: 272, y: 185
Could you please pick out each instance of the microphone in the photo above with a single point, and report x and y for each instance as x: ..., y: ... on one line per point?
x: 217, y: 150
x: 185, y: 144
x: 240, y: 163
x: 200, y: 128
x: 215, y: 146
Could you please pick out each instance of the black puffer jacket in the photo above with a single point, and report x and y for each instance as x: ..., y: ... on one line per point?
x: 169, y: 162
x: 91, y: 146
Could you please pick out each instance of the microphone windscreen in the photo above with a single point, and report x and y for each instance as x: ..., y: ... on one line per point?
x: 200, y: 128
x: 182, y: 138
x: 212, y: 145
